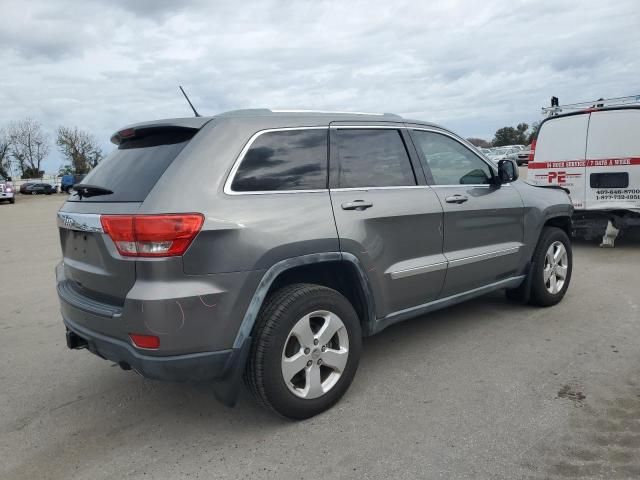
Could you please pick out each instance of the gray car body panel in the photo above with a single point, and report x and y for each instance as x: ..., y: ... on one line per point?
x: 208, y: 299
x: 540, y: 206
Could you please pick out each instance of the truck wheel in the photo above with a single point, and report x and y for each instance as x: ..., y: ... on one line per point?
x: 553, y: 260
x: 305, y: 350
x: 12, y: 200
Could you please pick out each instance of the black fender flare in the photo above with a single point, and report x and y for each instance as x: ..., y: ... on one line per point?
x: 246, y: 327
x: 227, y: 390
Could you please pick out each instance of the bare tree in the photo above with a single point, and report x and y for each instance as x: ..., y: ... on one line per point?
x: 5, y: 144
x: 29, y: 146
x: 79, y: 148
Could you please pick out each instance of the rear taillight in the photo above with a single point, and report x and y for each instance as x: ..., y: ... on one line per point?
x: 532, y: 151
x: 166, y: 235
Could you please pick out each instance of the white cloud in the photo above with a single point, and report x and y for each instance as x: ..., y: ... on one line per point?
x: 473, y: 66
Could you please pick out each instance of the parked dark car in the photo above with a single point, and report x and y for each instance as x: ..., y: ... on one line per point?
x: 69, y: 181
x: 307, y: 232
x: 41, y: 188
x: 25, y: 186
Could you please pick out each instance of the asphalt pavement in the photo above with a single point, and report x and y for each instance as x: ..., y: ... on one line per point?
x: 485, y: 390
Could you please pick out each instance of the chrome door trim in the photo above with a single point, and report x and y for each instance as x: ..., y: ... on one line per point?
x: 80, y: 222
x: 409, y: 272
x: 483, y: 256
x: 227, y: 185
x: 396, y: 271
x: 364, y: 189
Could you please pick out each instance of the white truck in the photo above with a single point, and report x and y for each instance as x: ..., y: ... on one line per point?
x: 7, y: 191
x: 594, y: 152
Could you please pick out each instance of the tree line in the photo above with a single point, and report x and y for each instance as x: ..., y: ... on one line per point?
x: 24, y: 145
x: 521, y: 134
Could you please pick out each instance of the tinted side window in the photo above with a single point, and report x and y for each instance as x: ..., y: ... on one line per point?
x: 450, y: 162
x: 609, y: 180
x: 285, y: 160
x: 373, y: 158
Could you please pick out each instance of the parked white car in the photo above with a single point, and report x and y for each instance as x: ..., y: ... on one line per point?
x: 523, y: 156
x: 503, y: 153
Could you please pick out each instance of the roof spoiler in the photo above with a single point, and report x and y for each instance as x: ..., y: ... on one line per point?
x: 174, y: 125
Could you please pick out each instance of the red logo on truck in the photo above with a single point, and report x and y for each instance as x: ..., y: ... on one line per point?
x: 560, y: 176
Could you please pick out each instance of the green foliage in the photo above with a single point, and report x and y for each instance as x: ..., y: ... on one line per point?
x: 65, y: 169
x: 30, y: 172
x: 512, y: 136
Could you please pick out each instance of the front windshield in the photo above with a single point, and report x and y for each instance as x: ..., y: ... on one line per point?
x: 500, y: 151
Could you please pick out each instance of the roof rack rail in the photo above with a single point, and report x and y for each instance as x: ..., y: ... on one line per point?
x: 556, y: 108
x: 346, y: 112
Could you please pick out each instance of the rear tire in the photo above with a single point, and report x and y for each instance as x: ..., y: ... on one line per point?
x: 305, y: 352
x: 553, y: 265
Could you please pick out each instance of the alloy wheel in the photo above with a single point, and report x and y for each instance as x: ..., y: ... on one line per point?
x: 556, y: 267
x: 315, y: 354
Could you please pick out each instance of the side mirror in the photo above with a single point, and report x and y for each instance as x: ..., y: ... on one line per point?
x: 507, y: 171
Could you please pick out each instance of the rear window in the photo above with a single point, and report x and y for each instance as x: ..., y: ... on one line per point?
x: 132, y: 170
x: 284, y: 160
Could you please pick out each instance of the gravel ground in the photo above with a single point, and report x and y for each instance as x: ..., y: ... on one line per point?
x: 488, y: 389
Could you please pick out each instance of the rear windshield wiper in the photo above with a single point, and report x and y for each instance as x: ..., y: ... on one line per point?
x: 86, y: 190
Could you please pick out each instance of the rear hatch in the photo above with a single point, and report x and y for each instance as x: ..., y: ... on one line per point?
x: 118, y: 185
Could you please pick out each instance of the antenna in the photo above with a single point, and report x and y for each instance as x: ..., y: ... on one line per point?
x: 189, y: 101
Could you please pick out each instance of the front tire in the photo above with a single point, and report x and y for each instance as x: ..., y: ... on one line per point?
x: 305, y: 352
x: 553, y: 265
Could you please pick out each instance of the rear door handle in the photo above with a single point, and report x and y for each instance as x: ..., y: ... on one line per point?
x: 456, y: 199
x: 357, y: 205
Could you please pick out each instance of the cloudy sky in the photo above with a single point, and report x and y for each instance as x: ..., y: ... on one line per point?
x: 473, y: 66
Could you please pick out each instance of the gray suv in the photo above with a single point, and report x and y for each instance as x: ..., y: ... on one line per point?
x: 265, y: 244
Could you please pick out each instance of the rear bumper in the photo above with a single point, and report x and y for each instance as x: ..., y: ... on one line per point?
x: 179, y: 368
x: 196, y: 337
x: 190, y: 314
x: 6, y: 195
